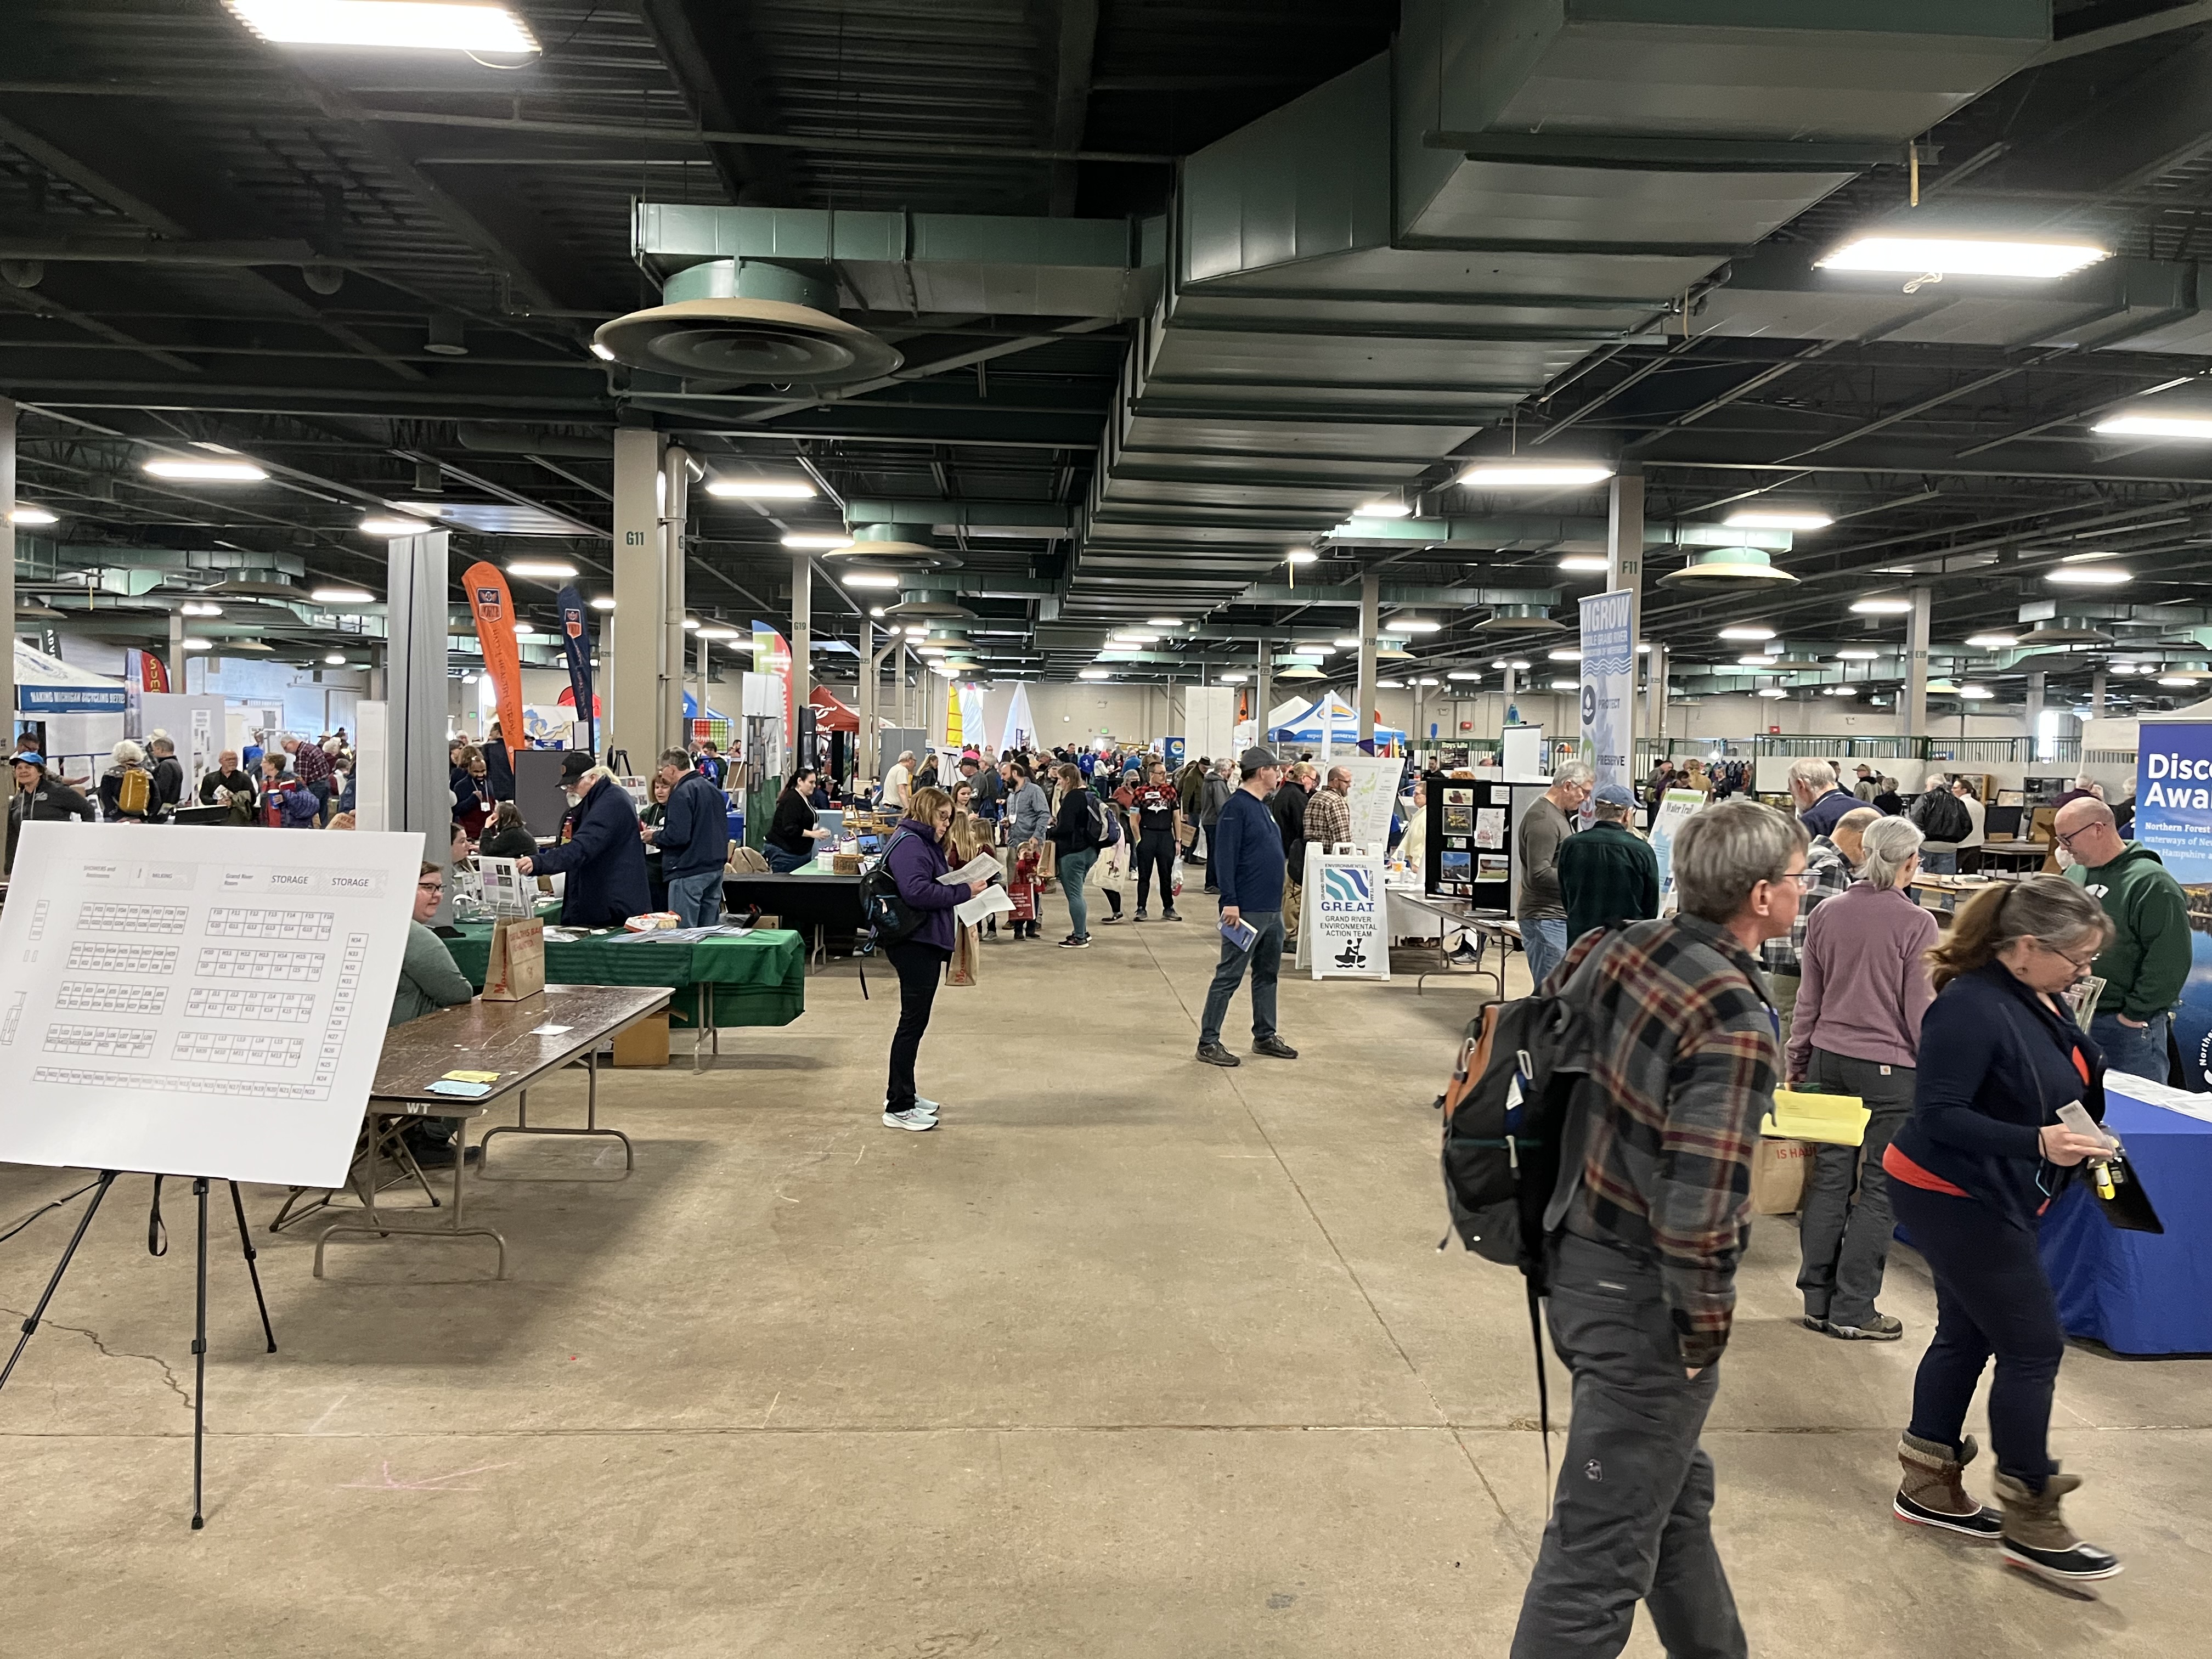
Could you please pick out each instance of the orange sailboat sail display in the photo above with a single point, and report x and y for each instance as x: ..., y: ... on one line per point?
x: 493, y: 609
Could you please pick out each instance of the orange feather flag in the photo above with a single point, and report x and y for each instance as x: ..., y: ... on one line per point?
x: 493, y: 609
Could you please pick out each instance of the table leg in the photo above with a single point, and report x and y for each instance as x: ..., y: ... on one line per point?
x: 384, y: 1229
x: 590, y: 1062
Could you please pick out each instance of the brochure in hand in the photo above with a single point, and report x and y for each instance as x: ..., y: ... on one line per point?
x: 1240, y: 932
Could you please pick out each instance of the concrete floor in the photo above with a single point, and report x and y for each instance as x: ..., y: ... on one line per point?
x: 1133, y: 1357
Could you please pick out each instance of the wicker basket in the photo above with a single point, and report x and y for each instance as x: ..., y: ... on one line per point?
x: 845, y: 864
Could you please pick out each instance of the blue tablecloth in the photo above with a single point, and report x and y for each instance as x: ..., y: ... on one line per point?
x: 2140, y: 1293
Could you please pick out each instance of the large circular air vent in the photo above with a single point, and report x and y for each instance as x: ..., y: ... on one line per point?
x: 928, y: 610
x: 886, y: 547
x: 739, y: 342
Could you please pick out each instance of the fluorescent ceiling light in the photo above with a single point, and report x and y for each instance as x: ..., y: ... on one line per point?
x: 551, y: 569
x: 2198, y: 427
x: 1385, y: 508
x: 1992, y: 641
x: 206, y: 472
x: 1565, y: 654
x: 1842, y: 691
x: 691, y: 624
x: 1091, y: 673
x: 869, y: 579
x: 393, y: 25
x: 1583, y: 564
x: 1771, y: 691
x: 336, y: 658
x: 341, y: 596
x: 1775, y: 519
x: 2178, y: 681
x: 31, y: 515
x: 1232, y: 679
x: 1757, y: 662
x: 2088, y: 575
x: 914, y: 630
x: 523, y: 629
x: 817, y: 541
x: 1390, y: 686
x: 2091, y: 557
x: 1463, y: 674
x: 1858, y: 654
x: 1881, y: 607
x: 1163, y: 621
x: 1425, y: 681
x: 929, y: 650
x: 1349, y: 642
x: 1308, y: 653
x: 1137, y: 638
x: 1963, y: 256
x: 1976, y: 693
x: 875, y: 611
x: 1747, y: 631
x: 1533, y: 474
x: 603, y: 602
x: 761, y: 489
x: 1412, y: 625
x: 1509, y: 662
x: 720, y: 634
x: 391, y: 527
x: 199, y: 607
x: 1566, y: 685
x: 199, y: 645
x: 1300, y: 555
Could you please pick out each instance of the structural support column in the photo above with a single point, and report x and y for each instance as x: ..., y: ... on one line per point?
x: 1370, y: 617
x: 1912, y: 711
x: 176, y: 653
x: 417, y: 792
x: 802, y: 630
x: 1657, y: 673
x: 2097, y: 694
x: 640, y: 606
x: 8, y: 557
x: 2035, y: 685
x: 1624, y: 574
x: 676, y: 471
x: 1262, y: 695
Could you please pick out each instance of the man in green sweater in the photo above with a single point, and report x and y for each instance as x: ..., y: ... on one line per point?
x: 429, y: 980
x: 1608, y: 874
x: 2147, y: 963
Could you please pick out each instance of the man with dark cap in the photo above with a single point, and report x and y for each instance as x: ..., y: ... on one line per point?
x: 599, y: 850
x: 1608, y: 874
x: 1248, y: 863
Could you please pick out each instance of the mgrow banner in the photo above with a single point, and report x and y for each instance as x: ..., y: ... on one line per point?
x: 2173, y: 796
x: 1608, y: 683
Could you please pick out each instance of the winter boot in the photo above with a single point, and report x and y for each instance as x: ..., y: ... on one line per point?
x: 1933, y: 1490
x: 2036, y: 1539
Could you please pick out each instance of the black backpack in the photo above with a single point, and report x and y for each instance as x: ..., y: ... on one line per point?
x: 1514, y: 1123
x: 889, y: 917
x: 1942, y: 817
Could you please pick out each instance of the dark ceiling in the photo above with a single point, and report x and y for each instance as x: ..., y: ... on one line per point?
x: 208, y: 240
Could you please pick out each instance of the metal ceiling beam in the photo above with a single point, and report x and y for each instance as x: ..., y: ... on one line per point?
x: 1348, y: 594
x: 2121, y: 34
x: 1074, y: 39
x: 40, y: 305
x: 1671, y: 153
x: 713, y: 57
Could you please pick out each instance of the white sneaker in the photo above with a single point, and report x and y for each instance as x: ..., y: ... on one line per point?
x: 928, y: 1108
x: 914, y: 1120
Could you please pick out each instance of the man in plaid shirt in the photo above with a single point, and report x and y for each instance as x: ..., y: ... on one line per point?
x: 312, y: 768
x: 1328, y: 814
x: 1647, y: 1226
x: 1831, y: 864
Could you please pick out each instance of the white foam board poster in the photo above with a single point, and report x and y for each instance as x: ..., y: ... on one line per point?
x: 210, y: 1001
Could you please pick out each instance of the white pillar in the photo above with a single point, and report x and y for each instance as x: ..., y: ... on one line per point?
x: 418, y: 794
x: 176, y: 658
x: 1370, y: 617
x: 675, y: 512
x: 2097, y: 694
x: 2035, y: 685
x: 802, y: 629
x: 1262, y: 697
x: 1912, y: 709
x: 8, y: 558
x: 1658, y: 673
x: 640, y: 606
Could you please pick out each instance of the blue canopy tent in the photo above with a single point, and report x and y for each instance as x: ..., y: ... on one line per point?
x: 1302, y: 726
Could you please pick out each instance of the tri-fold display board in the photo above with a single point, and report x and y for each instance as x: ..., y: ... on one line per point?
x: 1469, y: 841
x: 202, y: 1002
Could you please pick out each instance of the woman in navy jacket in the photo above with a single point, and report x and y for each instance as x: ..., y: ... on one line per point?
x: 1970, y: 1175
x: 915, y: 858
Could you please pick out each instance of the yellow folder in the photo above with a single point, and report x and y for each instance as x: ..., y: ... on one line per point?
x: 1838, y: 1120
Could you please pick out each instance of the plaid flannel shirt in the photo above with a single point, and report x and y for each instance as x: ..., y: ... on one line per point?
x: 1686, y: 1063
x: 1328, y: 819
x: 310, y: 764
x: 1832, y: 873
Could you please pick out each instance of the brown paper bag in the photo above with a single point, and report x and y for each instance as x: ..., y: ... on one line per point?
x: 1779, y: 1169
x: 966, y: 956
x: 517, y: 968
x: 1047, y: 860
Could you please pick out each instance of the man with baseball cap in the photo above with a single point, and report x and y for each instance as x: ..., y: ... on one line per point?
x: 599, y: 850
x: 1247, y: 862
x: 1608, y: 874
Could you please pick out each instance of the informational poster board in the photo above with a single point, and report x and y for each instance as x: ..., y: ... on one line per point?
x: 1342, y: 933
x: 209, y: 1004
x: 1675, y: 811
x: 1373, y: 797
x: 2173, y: 796
x: 1469, y: 840
x: 506, y: 891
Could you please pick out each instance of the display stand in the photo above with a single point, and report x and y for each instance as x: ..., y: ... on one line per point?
x: 199, y: 1326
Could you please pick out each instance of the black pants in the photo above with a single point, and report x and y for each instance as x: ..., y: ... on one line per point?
x: 1843, y: 1232
x: 919, y: 967
x: 1992, y: 1296
x: 1156, y: 849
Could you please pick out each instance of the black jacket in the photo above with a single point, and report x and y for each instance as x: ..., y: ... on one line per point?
x: 603, y: 859
x: 1288, y: 807
x: 1075, y: 826
x: 51, y: 802
x: 786, y: 831
x: 1608, y: 875
x: 513, y: 843
x: 168, y: 786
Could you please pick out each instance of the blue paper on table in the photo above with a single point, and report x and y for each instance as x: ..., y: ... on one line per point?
x: 464, y: 1090
x: 1240, y: 932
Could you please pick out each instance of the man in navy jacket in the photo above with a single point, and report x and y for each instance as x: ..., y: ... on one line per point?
x: 1248, y: 864
x: 694, y: 839
x: 600, y: 851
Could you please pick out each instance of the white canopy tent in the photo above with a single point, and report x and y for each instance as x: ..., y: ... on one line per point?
x: 46, y: 686
x: 1326, y: 720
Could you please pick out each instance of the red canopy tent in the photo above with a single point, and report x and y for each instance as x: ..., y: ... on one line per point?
x: 830, y: 714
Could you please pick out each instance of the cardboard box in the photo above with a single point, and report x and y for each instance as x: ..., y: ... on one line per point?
x: 645, y: 1044
x: 517, y: 968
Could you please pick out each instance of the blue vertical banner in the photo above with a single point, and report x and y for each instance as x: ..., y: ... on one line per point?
x: 576, y: 641
x: 1608, y: 686
x: 2173, y: 796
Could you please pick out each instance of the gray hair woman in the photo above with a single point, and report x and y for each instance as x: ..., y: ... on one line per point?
x: 1857, y: 1032
x: 126, y: 788
x: 1983, y: 1154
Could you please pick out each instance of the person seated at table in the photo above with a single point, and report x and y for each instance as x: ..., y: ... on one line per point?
x: 793, y: 832
x: 506, y: 836
x: 429, y: 980
x: 600, y: 851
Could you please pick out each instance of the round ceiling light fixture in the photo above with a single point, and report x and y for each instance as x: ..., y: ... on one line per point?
x: 738, y: 322
x: 891, y: 547
x: 1727, y: 566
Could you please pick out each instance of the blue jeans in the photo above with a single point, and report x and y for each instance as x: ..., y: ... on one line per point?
x: 1072, y: 870
x: 1546, y: 942
x: 2140, y: 1053
x: 781, y: 863
x: 1939, y: 860
x: 696, y: 900
x: 1266, y: 960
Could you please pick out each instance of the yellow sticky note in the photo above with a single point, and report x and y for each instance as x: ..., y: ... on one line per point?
x: 472, y: 1076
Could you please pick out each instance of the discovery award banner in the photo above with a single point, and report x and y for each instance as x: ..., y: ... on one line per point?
x: 1608, y: 686
x: 2173, y: 796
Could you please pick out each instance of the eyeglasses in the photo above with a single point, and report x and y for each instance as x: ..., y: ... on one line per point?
x: 430, y: 886
x: 2080, y: 964
x: 1806, y: 879
x: 2068, y: 841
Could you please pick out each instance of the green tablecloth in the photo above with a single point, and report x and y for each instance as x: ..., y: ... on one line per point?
x: 759, y: 979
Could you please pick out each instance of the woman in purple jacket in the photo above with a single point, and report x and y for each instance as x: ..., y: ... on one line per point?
x: 915, y: 858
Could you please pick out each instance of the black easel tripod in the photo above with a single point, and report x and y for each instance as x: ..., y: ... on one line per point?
x: 199, y: 1332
